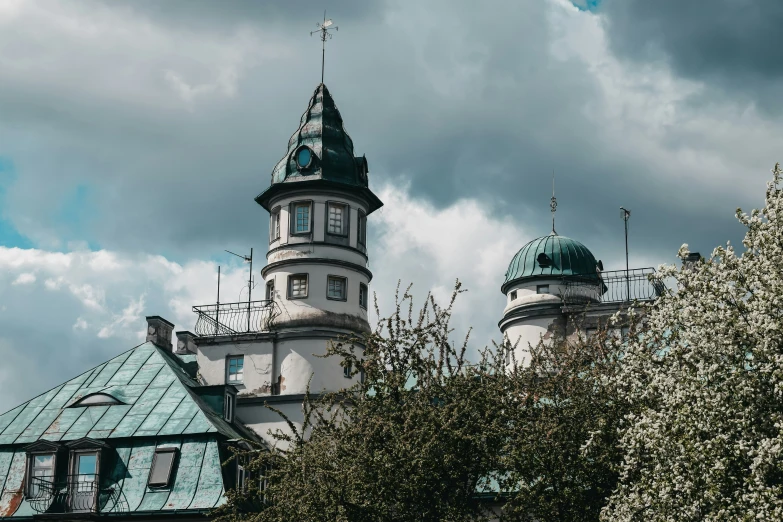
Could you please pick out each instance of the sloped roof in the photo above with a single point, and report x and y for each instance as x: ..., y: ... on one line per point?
x: 160, y: 398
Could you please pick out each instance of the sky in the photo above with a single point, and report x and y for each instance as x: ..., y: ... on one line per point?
x: 134, y: 135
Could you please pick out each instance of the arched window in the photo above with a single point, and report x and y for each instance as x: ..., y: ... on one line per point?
x: 96, y: 399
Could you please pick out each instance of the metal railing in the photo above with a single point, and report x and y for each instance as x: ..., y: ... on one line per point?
x: 226, y: 319
x: 618, y: 286
x: 75, y: 494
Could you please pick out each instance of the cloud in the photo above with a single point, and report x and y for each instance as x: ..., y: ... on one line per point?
x: 733, y: 46
x: 24, y: 279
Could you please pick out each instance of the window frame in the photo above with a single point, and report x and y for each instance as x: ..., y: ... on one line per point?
x: 292, y: 217
x: 274, y: 225
x: 540, y: 287
x: 364, y: 295
x: 229, y: 407
x: 346, y: 221
x: 159, y: 450
x: 345, y: 287
x: 31, y: 469
x: 289, y: 291
x: 512, y: 295
x: 229, y: 358
x: 270, y: 289
x: 361, y: 232
x: 347, y: 370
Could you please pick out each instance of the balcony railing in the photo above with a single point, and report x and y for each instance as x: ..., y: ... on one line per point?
x: 75, y: 494
x: 229, y: 319
x: 619, y: 286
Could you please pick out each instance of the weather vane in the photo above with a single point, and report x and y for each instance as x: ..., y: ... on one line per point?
x: 553, y: 203
x: 324, y: 28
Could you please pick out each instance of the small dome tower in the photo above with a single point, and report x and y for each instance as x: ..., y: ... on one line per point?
x: 539, y: 278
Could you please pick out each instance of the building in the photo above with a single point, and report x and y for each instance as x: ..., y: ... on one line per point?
x: 143, y: 435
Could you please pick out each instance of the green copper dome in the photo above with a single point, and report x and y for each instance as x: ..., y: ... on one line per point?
x: 551, y: 255
x: 321, y: 153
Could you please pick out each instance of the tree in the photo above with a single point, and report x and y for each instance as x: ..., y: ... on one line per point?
x: 561, y: 458
x: 704, y: 379
x: 415, y: 441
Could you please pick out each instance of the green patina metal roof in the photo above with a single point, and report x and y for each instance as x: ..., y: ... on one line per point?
x: 162, y: 406
x: 564, y: 257
x: 159, y: 396
x: 333, y: 161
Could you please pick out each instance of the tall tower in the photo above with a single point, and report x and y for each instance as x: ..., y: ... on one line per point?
x: 318, y: 203
x: 316, y: 279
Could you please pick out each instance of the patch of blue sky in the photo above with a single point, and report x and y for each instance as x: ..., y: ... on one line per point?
x: 586, y: 5
x: 9, y: 235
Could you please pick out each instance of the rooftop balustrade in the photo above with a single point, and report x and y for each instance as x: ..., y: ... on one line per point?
x: 75, y: 494
x: 231, y: 319
x: 618, y: 286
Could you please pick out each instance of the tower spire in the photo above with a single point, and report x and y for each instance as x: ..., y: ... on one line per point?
x: 553, y: 204
x: 323, y: 29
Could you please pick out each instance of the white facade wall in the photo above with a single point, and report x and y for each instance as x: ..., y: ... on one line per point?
x: 291, y: 362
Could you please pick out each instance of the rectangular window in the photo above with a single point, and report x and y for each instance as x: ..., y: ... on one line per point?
x: 241, y: 477
x: 162, y: 465
x: 363, y: 295
x: 235, y: 369
x: 274, y: 225
x: 347, y: 371
x: 337, y: 219
x: 335, y: 288
x: 297, y: 286
x: 542, y: 289
x: 362, y: 228
x: 513, y: 295
x: 270, y: 290
x: 300, y: 220
x: 41, y: 474
x: 83, y: 488
x: 229, y: 403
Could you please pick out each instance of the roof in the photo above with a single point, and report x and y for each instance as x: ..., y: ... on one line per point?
x: 197, y: 483
x: 158, y: 397
x: 550, y: 255
x: 321, y: 131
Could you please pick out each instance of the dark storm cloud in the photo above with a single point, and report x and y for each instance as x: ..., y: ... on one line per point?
x: 454, y: 99
x: 731, y: 44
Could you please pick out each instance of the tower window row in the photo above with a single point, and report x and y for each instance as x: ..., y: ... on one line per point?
x: 301, y: 221
x: 336, y: 288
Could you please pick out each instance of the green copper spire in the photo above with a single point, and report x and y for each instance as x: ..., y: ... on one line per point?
x: 321, y: 130
x: 321, y: 151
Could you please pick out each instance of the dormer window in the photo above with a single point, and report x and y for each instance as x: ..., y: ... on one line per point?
x: 41, y: 473
x: 162, y: 465
x: 303, y: 157
x: 96, y: 399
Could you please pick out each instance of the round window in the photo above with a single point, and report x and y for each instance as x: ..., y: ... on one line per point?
x: 303, y: 157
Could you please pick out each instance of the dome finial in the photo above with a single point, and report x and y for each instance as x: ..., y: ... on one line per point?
x: 553, y: 203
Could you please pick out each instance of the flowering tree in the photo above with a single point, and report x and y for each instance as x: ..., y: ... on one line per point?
x: 705, y: 382
x: 415, y: 440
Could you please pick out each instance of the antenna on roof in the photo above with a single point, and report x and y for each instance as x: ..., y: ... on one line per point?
x: 553, y: 203
x: 249, y: 281
x: 324, y: 28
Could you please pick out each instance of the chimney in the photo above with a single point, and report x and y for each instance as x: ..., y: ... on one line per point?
x: 159, y: 331
x: 185, y: 342
x: 689, y: 261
